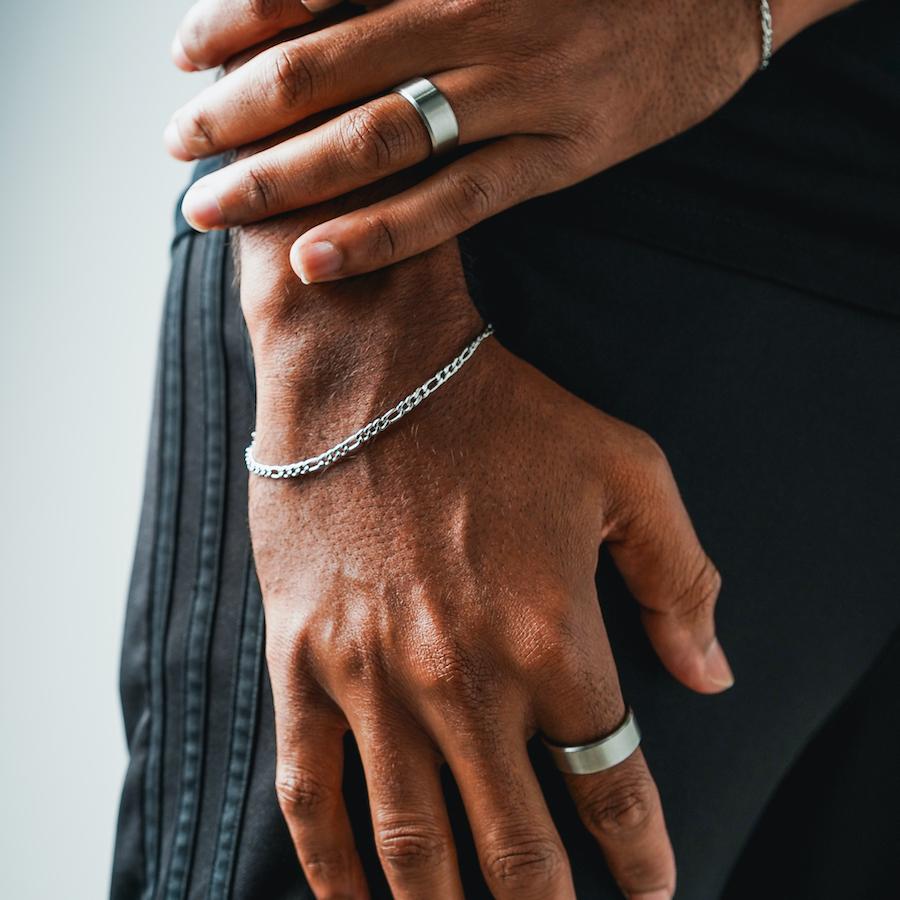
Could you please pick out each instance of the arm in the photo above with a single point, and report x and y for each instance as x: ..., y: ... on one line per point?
x: 435, y: 592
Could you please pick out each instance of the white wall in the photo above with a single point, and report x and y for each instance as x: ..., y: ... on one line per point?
x: 87, y: 194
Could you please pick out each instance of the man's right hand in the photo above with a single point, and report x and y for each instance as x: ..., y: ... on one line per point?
x: 435, y: 592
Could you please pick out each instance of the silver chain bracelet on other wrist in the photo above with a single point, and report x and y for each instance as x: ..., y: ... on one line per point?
x: 367, y: 432
x: 765, y: 18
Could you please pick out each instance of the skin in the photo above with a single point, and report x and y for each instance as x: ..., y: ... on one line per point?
x: 546, y: 95
x: 434, y: 594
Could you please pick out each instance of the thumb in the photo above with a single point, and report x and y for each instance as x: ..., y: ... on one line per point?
x: 654, y: 546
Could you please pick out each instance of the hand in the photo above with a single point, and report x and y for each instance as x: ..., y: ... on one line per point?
x: 435, y: 593
x: 552, y: 92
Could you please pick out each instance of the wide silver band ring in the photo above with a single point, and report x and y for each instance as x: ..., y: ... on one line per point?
x: 598, y: 755
x: 435, y: 111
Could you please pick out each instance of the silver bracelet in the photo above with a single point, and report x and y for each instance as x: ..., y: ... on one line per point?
x: 765, y: 18
x: 368, y: 431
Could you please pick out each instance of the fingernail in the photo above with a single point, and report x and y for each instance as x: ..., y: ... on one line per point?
x: 180, y: 57
x: 717, y: 669
x: 201, y: 208
x: 173, y: 142
x: 315, y: 6
x: 317, y: 261
x: 652, y: 895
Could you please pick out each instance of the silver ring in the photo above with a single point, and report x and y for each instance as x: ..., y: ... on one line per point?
x: 598, y: 755
x: 435, y: 111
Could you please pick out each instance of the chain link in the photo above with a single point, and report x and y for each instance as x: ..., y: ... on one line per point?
x: 368, y: 431
x: 765, y: 18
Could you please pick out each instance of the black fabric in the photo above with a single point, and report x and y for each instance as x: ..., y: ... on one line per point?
x: 777, y: 411
x: 819, y: 837
x: 796, y: 179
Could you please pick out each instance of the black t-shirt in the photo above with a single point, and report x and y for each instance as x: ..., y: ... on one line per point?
x: 796, y: 179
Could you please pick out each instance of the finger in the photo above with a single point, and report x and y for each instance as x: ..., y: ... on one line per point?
x: 519, y: 848
x: 310, y: 758
x: 353, y: 58
x: 214, y: 30
x: 358, y: 147
x: 656, y: 549
x: 409, y: 816
x: 621, y: 808
x: 469, y: 190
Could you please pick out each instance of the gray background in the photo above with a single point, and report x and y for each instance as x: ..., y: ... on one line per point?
x: 87, y: 191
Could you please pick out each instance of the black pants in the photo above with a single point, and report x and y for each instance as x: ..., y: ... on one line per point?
x: 780, y: 414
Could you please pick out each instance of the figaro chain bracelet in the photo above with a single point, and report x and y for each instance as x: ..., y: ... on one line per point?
x: 367, y: 432
x: 765, y: 18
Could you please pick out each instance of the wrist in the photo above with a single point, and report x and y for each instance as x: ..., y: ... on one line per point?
x: 354, y: 383
x: 323, y: 459
x: 330, y: 357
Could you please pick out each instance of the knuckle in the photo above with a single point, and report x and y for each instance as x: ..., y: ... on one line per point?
x: 373, y: 142
x: 301, y: 794
x: 197, y: 131
x: 381, y: 238
x: 648, y: 454
x: 325, y: 865
x: 640, y: 471
x: 549, y: 645
x: 524, y: 862
x: 701, y: 592
x: 451, y: 676
x: 620, y: 809
x: 293, y: 76
x: 637, y: 875
x: 358, y: 661
x: 569, y: 158
x: 411, y: 845
x: 259, y: 189
x: 473, y: 192
x: 443, y: 667
x: 265, y: 10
